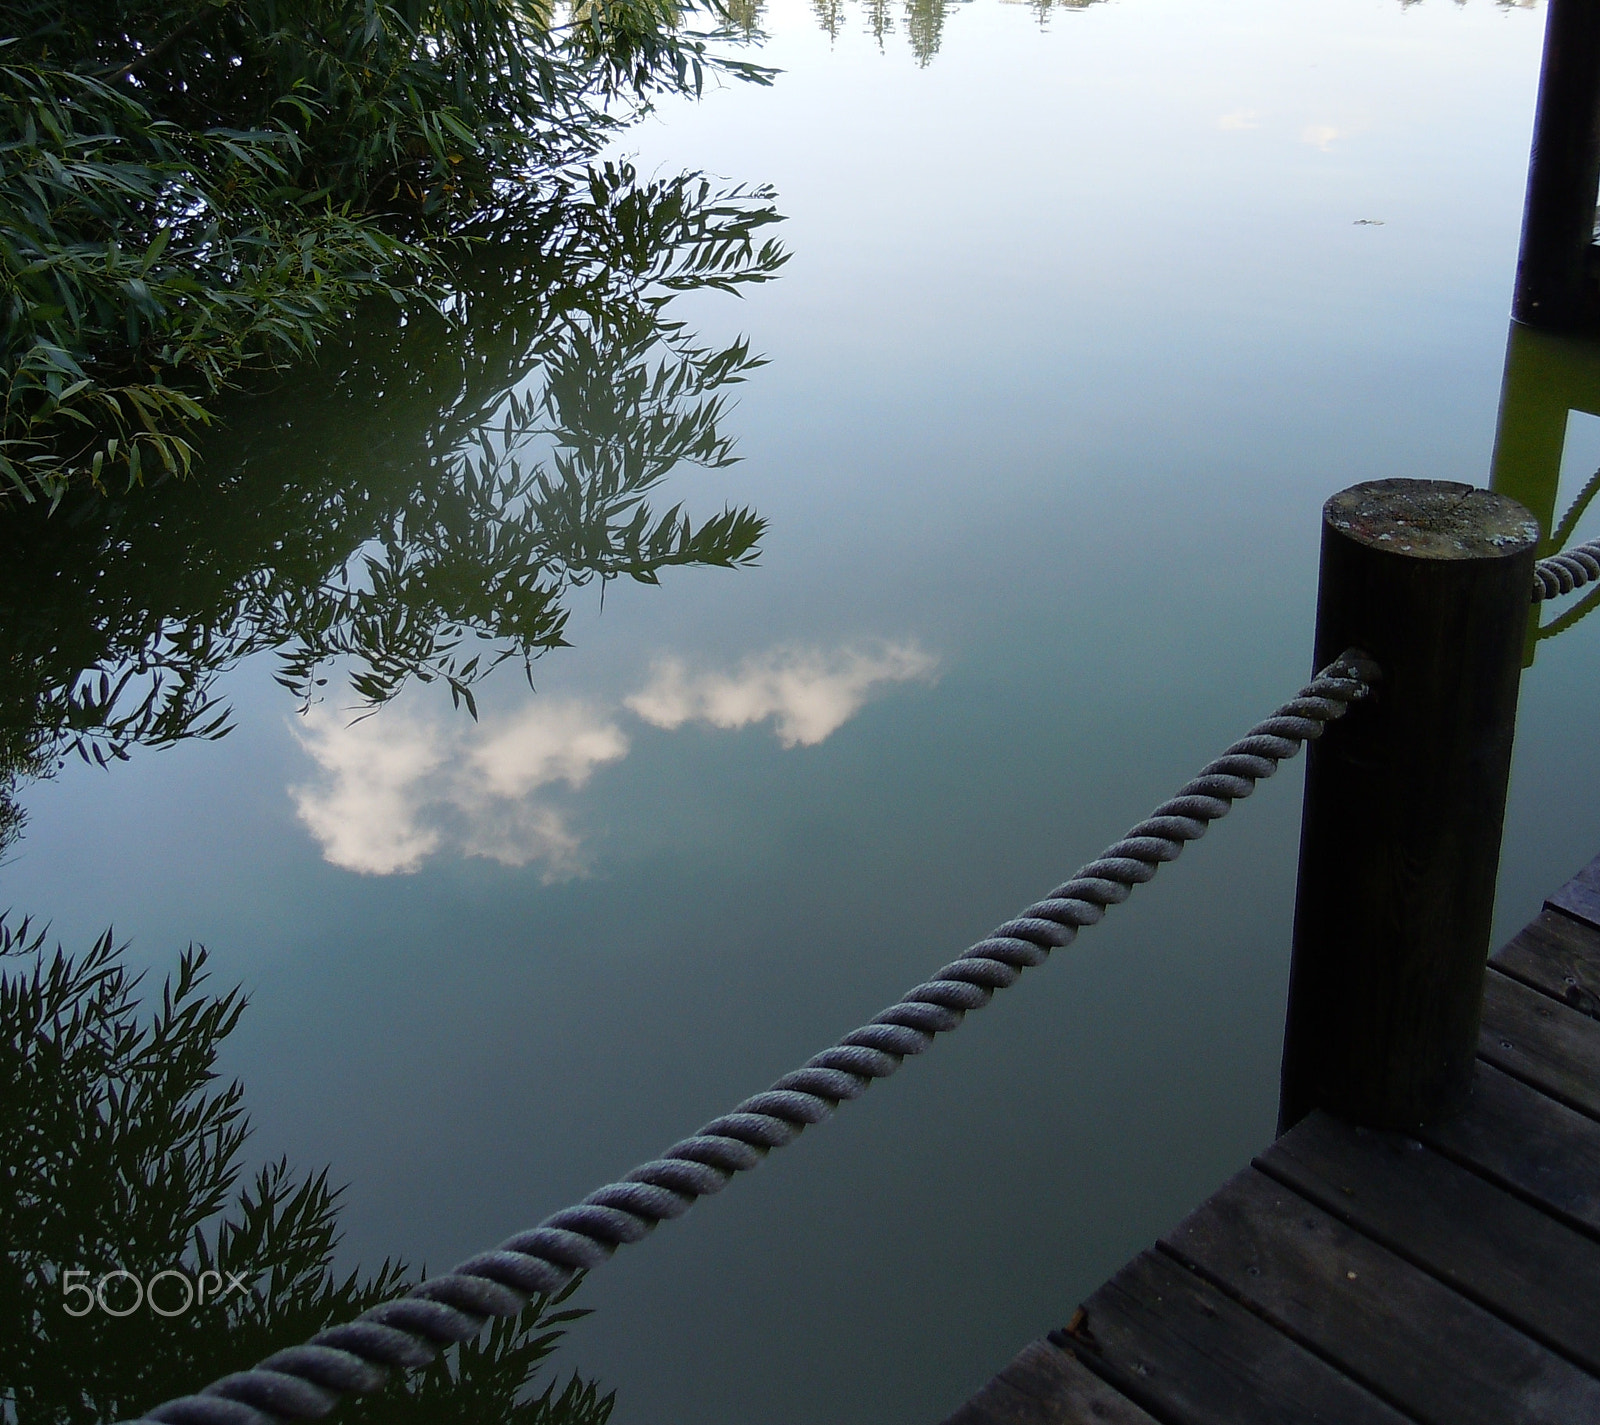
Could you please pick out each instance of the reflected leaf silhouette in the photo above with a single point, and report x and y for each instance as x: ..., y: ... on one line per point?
x: 121, y: 1151
x: 422, y: 502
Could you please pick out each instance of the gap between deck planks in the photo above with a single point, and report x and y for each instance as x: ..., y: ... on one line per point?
x: 1355, y: 1277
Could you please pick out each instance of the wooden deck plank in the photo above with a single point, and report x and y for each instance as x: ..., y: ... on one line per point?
x: 1191, y: 1356
x: 1046, y: 1385
x: 1580, y: 897
x: 1408, y: 1337
x: 1496, y: 1249
x: 1542, y: 1042
x: 1359, y: 1277
x: 1557, y: 956
x: 1528, y: 1143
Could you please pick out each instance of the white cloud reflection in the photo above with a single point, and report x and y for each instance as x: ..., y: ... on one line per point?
x: 807, y: 693
x: 395, y: 788
x: 365, y: 813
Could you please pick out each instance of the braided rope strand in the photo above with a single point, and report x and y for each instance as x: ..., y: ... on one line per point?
x: 306, y: 1382
x: 1564, y: 572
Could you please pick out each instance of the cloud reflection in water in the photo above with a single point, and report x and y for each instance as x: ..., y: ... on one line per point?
x: 397, y: 788
x: 810, y: 694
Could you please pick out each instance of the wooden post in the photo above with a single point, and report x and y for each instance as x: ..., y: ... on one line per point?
x: 1400, y: 841
x: 1557, y: 281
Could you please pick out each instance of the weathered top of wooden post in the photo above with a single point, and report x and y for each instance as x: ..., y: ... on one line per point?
x: 1432, y: 519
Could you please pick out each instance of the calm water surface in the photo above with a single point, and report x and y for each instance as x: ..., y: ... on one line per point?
x: 1089, y: 309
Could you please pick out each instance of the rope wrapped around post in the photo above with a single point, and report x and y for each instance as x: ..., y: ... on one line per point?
x: 305, y: 1382
x: 1564, y: 572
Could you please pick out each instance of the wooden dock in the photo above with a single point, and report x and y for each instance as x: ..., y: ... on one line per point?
x: 1357, y: 1277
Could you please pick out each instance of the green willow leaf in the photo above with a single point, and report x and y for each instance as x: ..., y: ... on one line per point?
x: 196, y: 192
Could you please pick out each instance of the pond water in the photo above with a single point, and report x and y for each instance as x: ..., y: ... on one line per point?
x: 1089, y: 308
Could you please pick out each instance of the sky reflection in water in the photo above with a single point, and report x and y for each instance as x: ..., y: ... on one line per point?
x: 397, y: 788
x: 1081, y: 328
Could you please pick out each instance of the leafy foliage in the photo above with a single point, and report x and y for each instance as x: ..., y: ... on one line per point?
x: 120, y: 1148
x: 191, y: 190
x: 421, y: 504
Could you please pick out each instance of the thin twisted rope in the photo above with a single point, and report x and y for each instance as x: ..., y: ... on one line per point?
x: 1564, y: 572
x: 306, y: 1382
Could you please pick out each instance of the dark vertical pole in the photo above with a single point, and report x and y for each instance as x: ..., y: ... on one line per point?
x: 1556, y: 278
x: 1404, y: 800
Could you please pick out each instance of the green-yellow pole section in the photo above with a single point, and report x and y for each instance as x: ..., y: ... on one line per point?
x: 1547, y: 376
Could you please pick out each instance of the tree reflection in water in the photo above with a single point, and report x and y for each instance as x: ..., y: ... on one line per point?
x: 924, y: 19
x: 121, y: 1152
x: 420, y: 504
